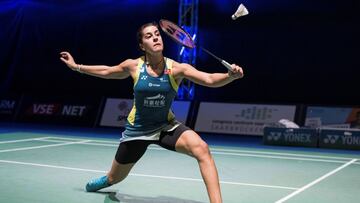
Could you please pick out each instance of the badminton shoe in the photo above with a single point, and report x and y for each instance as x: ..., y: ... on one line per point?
x: 97, y: 184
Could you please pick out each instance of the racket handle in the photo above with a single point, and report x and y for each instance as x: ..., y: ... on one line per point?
x: 227, y: 65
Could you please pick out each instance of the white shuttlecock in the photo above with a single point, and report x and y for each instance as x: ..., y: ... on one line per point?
x: 288, y: 124
x: 241, y: 11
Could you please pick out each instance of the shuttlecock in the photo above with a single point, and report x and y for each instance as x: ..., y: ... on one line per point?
x: 288, y: 124
x: 241, y: 11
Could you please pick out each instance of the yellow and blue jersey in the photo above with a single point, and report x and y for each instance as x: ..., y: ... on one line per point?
x: 153, y: 97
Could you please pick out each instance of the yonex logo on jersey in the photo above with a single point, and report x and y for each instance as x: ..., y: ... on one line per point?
x: 155, y: 101
x: 142, y: 69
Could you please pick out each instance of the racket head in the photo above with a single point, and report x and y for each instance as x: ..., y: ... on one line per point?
x: 177, y: 33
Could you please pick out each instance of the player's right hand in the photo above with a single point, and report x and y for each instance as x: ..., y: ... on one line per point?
x: 68, y: 59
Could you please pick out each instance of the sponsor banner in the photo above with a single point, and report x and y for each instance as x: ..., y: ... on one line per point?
x: 116, y: 111
x: 246, y: 119
x: 290, y: 136
x: 339, y: 138
x: 60, y: 110
x: 317, y: 116
x: 8, y: 108
x: 346, y: 125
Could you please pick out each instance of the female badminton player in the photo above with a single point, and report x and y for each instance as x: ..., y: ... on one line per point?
x: 151, y: 121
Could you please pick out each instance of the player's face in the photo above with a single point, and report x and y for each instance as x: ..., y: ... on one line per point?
x: 151, y: 40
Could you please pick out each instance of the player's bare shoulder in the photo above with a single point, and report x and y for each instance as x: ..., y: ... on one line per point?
x: 124, y: 69
x: 130, y: 64
x: 179, y: 69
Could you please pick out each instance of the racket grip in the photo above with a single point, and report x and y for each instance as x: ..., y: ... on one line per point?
x: 227, y: 65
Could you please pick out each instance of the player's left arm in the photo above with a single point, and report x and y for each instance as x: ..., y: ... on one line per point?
x: 183, y: 70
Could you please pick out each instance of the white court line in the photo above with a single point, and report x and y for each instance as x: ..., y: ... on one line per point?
x: 233, y: 154
x: 315, y: 181
x: 24, y: 140
x: 213, y: 151
x: 271, y: 157
x: 145, y: 175
x: 77, y: 139
x: 222, y: 182
x: 88, y: 143
x: 282, y: 154
x: 51, y: 166
x: 233, y: 150
x: 259, y: 185
x: 279, y: 157
x: 43, y: 146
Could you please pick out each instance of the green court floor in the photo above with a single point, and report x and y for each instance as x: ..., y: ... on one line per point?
x: 51, y: 167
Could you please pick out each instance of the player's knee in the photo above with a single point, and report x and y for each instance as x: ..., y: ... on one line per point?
x: 201, y: 151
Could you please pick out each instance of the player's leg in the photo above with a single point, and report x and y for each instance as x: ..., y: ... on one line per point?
x: 127, y: 155
x: 185, y: 140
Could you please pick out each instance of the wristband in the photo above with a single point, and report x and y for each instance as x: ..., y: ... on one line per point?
x: 79, y: 68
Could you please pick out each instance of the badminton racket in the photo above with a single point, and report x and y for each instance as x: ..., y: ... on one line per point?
x: 180, y: 36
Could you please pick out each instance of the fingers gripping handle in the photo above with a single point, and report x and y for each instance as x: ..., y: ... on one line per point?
x: 226, y: 64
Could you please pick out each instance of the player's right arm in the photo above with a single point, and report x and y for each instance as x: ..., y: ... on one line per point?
x: 184, y: 70
x: 120, y: 71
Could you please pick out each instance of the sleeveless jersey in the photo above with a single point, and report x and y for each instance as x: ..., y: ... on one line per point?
x: 153, y: 97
